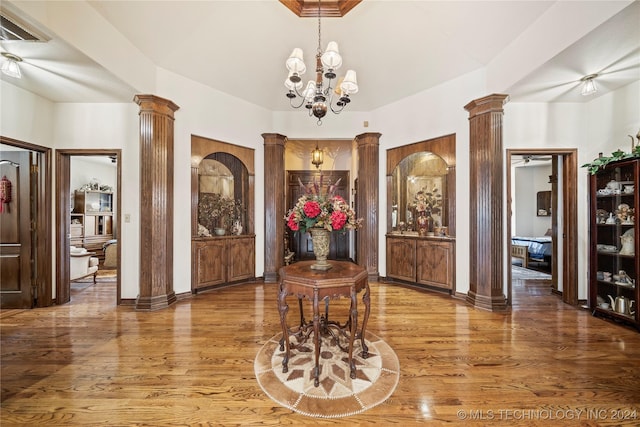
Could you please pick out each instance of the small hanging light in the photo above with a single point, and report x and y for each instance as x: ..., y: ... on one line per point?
x: 317, y: 156
x: 10, y: 66
x: 589, y: 85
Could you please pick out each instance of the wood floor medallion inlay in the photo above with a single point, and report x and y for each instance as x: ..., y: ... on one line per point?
x: 337, y: 395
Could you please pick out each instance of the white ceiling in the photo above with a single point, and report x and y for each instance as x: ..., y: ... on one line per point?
x: 398, y: 48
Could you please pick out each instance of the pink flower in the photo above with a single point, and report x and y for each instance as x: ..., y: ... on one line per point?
x: 312, y: 209
x: 338, y: 220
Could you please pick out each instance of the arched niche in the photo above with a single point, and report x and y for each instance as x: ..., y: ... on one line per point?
x: 213, y: 162
x: 425, y: 164
x: 423, y: 173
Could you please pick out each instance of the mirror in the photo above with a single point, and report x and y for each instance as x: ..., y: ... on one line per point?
x: 419, y: 183
x: 543, y: 203
x: 215, y: 178
x: 222, y: 190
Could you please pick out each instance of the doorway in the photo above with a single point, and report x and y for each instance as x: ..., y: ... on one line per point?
x: 563, y: 213
x: 83, y: 221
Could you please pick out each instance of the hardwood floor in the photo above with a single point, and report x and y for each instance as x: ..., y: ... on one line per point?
x: 92, y: 363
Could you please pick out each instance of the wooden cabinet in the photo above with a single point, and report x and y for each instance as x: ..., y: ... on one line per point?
x: 435, y: 263
x: 614, y: 262
x: 401, y: 259
x: 221, y: 260
x: 92, y: 221
x: 428, y: 261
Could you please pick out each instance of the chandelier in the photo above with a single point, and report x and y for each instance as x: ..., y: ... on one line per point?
x: 316, y: 97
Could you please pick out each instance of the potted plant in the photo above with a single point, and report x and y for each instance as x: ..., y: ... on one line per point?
x: 216, y: 212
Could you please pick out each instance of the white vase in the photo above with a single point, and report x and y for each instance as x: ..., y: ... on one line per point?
x: 219, y: 231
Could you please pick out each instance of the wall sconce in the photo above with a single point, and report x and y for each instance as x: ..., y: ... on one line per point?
x: 589, y: 85
x: 317, y: 156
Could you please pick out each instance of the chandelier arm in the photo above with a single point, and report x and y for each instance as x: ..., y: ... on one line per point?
x: 296, y: 106
x: 336, y: 111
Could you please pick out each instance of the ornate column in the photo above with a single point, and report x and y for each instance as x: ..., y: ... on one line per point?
x: 156, y: 202
x: 486, y: 287
x: 367, y: 202
x: 274, y: 209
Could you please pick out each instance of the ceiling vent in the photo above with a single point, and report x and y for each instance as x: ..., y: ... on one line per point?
x: 13, y: 29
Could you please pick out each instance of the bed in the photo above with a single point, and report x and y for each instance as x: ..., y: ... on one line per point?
x: 538, y: 248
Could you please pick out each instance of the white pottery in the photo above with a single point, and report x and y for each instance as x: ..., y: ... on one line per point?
x: 628, y: 243
x: 614, y: 185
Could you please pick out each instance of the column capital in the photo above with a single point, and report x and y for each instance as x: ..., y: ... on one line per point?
x: 369, y: 138
x: 274, y: 139
x: 487, y: 104
x: 156, y: 104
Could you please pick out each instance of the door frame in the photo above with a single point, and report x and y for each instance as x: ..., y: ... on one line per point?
x: 63, y: 213
x: 43, y: 222
x: 569, y: 157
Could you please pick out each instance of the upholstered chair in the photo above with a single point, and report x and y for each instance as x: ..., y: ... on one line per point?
x: 82, y: 264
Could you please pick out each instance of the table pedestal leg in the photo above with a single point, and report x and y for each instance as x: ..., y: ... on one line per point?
x: 283, y: 308
x: 353, y: 328
x: 316, y: 338
x: 366, y: 299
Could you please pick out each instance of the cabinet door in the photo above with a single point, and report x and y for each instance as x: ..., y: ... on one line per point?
x: 435, y: 263
x: 241, y: 262
x: 401, y: 259
x: 90, y: 225
x: 209, y: 261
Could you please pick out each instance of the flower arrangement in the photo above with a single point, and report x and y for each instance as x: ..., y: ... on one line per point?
x: 217, y: 211
x: 315, y: 209
x: 428, y: 201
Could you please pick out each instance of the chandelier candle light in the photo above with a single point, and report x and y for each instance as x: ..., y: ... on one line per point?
x: 315, y: 97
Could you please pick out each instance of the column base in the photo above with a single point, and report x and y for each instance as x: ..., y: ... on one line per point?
x: 490, y: 303
x: 270, y: 277
x: 157, y: 302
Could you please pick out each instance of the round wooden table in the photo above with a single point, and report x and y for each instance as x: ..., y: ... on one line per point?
x: 344, y: 279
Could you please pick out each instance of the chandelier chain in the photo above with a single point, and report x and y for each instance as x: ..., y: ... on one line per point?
x: 319, y: 31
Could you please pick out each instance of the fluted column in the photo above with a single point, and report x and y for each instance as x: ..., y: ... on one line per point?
x: 156, y: 202
x: 367, y: 202
x: 486, y: 287
x: 274, y: 209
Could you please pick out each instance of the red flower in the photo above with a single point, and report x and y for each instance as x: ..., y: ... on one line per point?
x: 293, y: 225
x: 312, y: 209
x: 338, y: 220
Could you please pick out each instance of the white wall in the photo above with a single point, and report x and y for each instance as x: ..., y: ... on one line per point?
x: 211, y: 114
x: 25, y: 116
x: 110, y: 126
x: 86, y: 168
x: 528, y: 182
x: 601, y: 125
x: 429, y: 114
